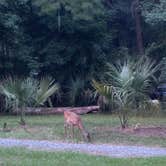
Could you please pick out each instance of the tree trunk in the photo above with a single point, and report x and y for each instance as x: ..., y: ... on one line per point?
x: 22, y: 115
x: 137, y: 15
x: 58, y: 110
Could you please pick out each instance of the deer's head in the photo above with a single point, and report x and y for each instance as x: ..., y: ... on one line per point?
x: 86, y: 136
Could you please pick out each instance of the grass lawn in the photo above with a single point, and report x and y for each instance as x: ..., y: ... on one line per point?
x: 99, y: 125
x: 21, y: 157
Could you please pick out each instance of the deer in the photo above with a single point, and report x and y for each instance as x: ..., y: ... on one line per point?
x: 72, y: 120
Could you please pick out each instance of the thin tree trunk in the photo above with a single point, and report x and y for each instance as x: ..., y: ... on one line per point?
x: 22, y: 120
x: 137, y: 15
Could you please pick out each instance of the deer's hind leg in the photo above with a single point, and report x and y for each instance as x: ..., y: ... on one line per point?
x: 65, y: 130
x: 72, y: 130
x: 80, y: 135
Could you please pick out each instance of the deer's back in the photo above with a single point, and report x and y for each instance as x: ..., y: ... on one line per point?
x: 71, y: 118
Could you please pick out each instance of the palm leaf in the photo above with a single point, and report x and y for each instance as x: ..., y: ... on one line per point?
x: 47, y: 88
x: 76, y: 88
x: 18, y: 92
x: 104, y: 90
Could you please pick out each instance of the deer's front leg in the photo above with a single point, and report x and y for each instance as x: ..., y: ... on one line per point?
x: 72, y: 130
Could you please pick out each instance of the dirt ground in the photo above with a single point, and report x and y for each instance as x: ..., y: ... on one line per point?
x: 147, y: 131
x: 142, y: 131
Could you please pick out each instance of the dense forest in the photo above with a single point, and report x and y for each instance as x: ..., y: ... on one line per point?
x: 72, y: 40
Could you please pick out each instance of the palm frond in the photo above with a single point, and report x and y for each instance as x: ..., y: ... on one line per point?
x: 104, y: 90
x: 46, y: 88
x: 75, y: 89
x: 146, y: 67
x: 18, y: 91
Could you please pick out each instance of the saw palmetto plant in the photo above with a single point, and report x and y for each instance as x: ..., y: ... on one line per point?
x: 24, y: 92
x: 127, y: 85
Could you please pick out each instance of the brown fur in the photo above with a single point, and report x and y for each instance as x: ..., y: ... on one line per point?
x: 72, y: 120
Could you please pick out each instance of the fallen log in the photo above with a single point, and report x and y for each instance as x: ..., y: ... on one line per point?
x: 58, y: 110
x: 85, y: 110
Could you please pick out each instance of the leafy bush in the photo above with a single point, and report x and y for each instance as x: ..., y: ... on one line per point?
x: 24, y: 92
x: 78, y: 94
x: 127, y: 85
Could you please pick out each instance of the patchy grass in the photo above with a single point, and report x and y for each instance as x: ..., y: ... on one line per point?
x: 22, y: 157
x: 100, y: 127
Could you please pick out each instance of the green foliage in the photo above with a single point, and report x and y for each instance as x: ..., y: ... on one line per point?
x: 154, y: 12
x: 127, y: 85
x: 20, y: 91
x: 43, y: 44
x: 75, y: 90
x: 162, y: 78
x: 46, y: 88
x: 75, y: 38
x: 78, y: 94
x: 25, y: 92
x: 80, y: 10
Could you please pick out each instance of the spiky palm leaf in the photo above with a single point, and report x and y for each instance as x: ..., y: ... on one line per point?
x: 104, y: 90
x: 75, y: 89
x: 143, y: 73
x: 19, y: 90
x: 120, y: 75
x: 11, y: 101
x: 47, y: 88
x: 128, y: 84
x: 23, y: 92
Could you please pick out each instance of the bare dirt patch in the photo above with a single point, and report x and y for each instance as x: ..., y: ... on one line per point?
x: 140, y: 131
x: 150, y: 131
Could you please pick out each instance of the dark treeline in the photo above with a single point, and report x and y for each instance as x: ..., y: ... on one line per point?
x: 72, y: 40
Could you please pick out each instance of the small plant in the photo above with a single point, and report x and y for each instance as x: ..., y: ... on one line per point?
x: 18, y: 93
x: 127, y: 86
x: 46, y: 87
x: 78, y: 94
x: 23, y: 92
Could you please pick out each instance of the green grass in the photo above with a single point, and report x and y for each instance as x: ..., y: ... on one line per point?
x: 51, y: 128
x: 21, y: 157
